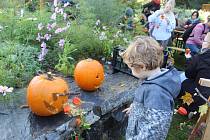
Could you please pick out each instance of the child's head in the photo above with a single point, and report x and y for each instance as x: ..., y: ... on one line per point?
x: 169, y: 6
x: 143, y: 54
x: 206, y: 41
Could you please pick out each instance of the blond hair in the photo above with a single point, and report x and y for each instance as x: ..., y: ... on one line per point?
x: 172, y: 3
x: 146, y: 50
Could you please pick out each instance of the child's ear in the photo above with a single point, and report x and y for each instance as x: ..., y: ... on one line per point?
x: 143, y: 66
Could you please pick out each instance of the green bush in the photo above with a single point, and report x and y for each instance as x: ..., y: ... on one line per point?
x: 23, y: 30
x: 18, y: 64
x: 86, y: 43
x: 108, y: 11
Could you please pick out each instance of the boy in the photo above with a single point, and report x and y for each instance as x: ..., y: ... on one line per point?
x: 152, y: 109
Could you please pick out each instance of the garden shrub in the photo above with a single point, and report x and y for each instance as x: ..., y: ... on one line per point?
x: 18, y: 64
x: 23, y: 30
x: 108, y: 11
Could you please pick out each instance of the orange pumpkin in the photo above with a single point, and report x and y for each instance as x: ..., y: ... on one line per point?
x: 46, y: 95
x: 89, y: 74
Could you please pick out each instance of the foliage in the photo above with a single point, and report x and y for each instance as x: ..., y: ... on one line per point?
x: 73, y: 109
x: 18, y: 63
x: 195, y: 4
x: 20, y: 29
x: 108, y: 11
x: 66, y: 62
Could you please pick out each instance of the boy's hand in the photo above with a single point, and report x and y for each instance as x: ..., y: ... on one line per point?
x: 188, y: 53
x: 127, y: 110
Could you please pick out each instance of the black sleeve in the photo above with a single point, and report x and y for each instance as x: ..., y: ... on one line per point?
x: 187, y: 22
x: 191, y: 67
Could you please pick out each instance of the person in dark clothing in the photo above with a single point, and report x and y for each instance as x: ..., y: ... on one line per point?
x: 193, y: 20
x: 197, y: 67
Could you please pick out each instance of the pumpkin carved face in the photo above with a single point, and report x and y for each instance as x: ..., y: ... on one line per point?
x: 43, y: 95
x: 89, y: 74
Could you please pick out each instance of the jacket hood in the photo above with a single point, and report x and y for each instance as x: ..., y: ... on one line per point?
x: 168, y: 80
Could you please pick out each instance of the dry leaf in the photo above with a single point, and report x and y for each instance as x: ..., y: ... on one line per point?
x: 203, y: 109
x: 187, y: 98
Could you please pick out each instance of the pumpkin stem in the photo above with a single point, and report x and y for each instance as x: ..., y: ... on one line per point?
x: 50, y: 76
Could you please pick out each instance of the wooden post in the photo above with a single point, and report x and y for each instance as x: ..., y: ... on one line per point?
x: 41, y: 3
x: 207, y: 131
x: 202, y: 119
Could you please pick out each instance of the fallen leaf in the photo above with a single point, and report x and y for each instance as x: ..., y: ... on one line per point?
x: 76, y: 101
x: 203, y: 109
x: 187, y: 98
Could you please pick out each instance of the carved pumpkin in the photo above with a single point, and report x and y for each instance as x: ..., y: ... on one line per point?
x: 46, y: 95
x: 89, y: 74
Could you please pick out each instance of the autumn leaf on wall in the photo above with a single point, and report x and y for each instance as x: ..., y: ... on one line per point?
x: 187, y: 98
x: 203, y: 109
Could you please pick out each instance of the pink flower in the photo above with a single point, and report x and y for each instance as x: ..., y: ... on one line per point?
x: 49, y: 27
x: 61, y: 43
x: 39, y: 37
x: 56, y: 10
x: 59, y: 30
x: 66, y: 4
x: 42, y: 54
x: 61, y: 11
x: 47, y: 36
x: 40, y: 26
x: 43, y: 45
x: 55, y: 3
x: 4, y: 90
x: 53, y: 25
x: 64, y: 16
x: 53, y: 17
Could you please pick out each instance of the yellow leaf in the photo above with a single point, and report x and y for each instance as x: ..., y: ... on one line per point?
x: 203, y: 109
x: 187, y: 98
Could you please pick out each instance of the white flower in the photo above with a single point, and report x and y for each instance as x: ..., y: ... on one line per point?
x: 53, y: 25
x: 53, y: 17
x: 102, y: 36
x: 21, y: 12
x: 66, y: 4
x: 4, y: 90
x: 98, y: 22
x: 64, y: 16
x: 1, y: 28
x: 56, y: 10
x: 104, y: 28
x: 61, y: 11
x: 55, y: 3
x: 40, y: 26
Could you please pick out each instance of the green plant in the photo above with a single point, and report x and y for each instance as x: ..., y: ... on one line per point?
x: 18, y: 64
x: 66, y: 62
x: 21, y: 29
x: 108, y: 11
